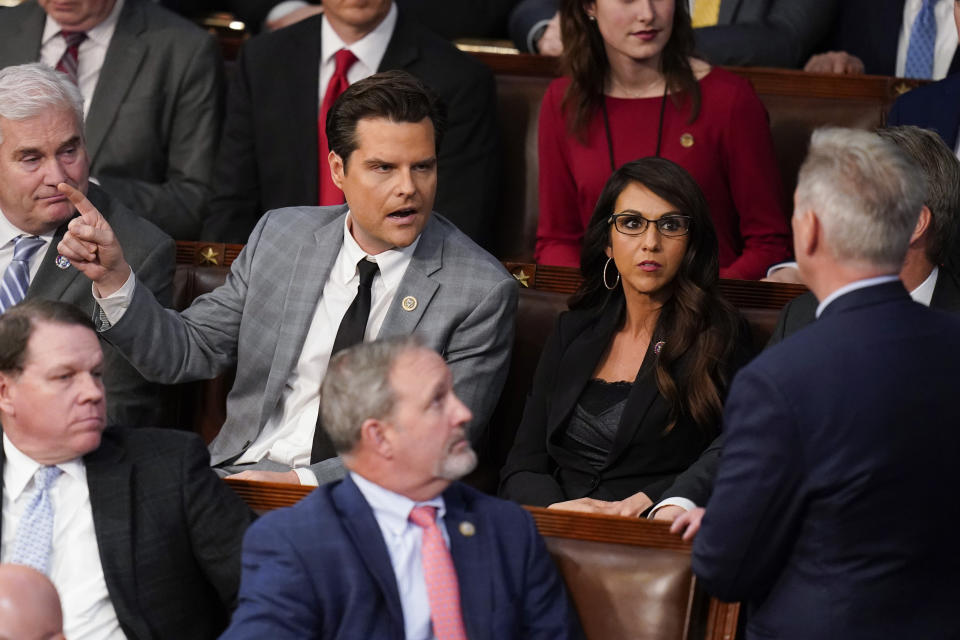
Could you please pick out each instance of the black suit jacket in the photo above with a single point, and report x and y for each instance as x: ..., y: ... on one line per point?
x: 268, y: 157
x: 539, y: 471
x: 151, y: 254
x: 870, y: 30
x: 169, y: 533
x: 829, y: 511
x: 934, y: 106
x: 696, y: 483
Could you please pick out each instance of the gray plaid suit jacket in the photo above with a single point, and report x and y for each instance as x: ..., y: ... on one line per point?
x: 259, y: 318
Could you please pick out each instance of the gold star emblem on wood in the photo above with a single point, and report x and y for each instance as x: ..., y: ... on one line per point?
x: 522, y: 278
x: 209, y: 256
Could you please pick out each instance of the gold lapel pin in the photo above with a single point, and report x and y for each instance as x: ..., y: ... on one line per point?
x: 467, y: 529
x: 409, y: 303
x: 686, y: 140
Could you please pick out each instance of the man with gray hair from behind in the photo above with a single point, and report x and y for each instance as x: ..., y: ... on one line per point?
x: 42, y: 144
x: 431, y: 557
x: 829, y: 506
x: 29, y: 605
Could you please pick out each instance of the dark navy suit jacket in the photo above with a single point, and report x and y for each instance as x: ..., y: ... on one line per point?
x: 321, y: 569
x: 830, y: 509
x: 935, y: 106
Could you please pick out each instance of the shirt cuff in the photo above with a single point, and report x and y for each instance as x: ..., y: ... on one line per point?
x: 683, y: 503
x: 781, y: 265
x: 115, y: 305
x: 283, y: 8
x: 307, y: 477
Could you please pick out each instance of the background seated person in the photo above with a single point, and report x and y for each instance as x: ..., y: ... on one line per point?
x: 629, y: 389
x: 633, y: 91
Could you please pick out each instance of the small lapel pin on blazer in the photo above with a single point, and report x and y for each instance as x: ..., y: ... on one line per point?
x: 409, y: 303
x: 62, y: 262
x: 467, y: 529
x: 686, y: 140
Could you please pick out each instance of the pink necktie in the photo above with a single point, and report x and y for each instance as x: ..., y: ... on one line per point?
x: 68, y: 61
x: 344, y: 59
x: 440, y: 576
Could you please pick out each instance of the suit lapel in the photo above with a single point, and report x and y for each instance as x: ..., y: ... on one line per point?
x: 109, y: 477
x: 402, y: 49
x: 471, y: 558
x: 119, y: 71
x: 416, y: 284
x: 298, y: 98
x: 728, y: 9
x: 358, y: 519
x: 51, y: 282
x: 315, y: 258
x: 23, y: 44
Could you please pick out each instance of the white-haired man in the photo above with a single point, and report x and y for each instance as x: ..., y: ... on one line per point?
x: 835, y: 437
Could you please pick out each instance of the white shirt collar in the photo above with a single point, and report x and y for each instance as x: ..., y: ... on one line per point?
x: 853, y: 286
x: 369, y: 49
x: 924, y: 292
x: 9, y: 231
x: 18, y: 469
x: 100, y: 33
x: 392, y: 510
x: 392, y: 262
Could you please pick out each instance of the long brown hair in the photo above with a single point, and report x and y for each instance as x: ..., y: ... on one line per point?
x: 584, y: 59
x: 697, y: 322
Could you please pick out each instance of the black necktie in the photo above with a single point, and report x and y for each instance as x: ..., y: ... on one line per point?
x: 352, y: 327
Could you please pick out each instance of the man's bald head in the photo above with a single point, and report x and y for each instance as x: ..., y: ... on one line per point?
x: 29, y: 605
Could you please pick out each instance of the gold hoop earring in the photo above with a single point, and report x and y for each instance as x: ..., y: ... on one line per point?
x: 615, y: 282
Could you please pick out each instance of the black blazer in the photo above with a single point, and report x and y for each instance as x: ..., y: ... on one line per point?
x: 169, y: 533
x: 540, y: 472
x: 268, y: 154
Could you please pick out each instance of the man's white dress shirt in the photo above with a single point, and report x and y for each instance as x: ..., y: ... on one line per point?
x: 75, y: 568
x: 90, y: 55
x: 404, y: 542
x: 946, y: 43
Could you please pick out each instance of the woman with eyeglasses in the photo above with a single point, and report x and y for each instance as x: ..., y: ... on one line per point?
x: 633, y: 89
x: 629, y: 388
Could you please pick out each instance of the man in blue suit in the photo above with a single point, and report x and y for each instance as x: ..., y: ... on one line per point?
x: 355, y: 560
x: 830, y: 508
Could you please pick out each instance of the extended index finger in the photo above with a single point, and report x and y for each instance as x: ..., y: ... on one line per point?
x: 87, y: 211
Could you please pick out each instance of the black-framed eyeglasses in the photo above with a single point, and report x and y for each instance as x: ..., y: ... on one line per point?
x: 672, y: 225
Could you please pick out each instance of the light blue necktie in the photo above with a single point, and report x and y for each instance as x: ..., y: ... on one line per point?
x: 923, y: 39
x: 35, y: 531
x: 16, y: 279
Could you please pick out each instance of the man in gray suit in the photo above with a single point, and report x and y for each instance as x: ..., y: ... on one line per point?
x: 312, y: 280
x: 152, y: 84
x: 41, y: 145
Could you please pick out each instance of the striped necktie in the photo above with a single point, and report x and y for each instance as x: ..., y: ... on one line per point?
x: 35, y: 529
x: 705, y: 13
x: 923, y: 39
x: 68, y: 61
x: 443, y: 591
x: 16, y: 279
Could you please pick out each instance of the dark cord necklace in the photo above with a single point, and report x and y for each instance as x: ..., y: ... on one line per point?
x: 606, y: 125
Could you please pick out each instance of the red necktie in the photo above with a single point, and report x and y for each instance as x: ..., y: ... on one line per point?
x: 440, y: 576
x: 344, y: 59
x: 68, y: 61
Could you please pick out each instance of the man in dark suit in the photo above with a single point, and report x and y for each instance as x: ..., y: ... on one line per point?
x: 152, y: 84
x: 399, y: 526
x: 269, y: 156
x: 139, y: 536
x: 926, y: 273
x: 770, y: 33
x: 296, y: 288
x: 871, y: 36
x: 935, y: 106
x: 41, y: 146
x: 837, y: 433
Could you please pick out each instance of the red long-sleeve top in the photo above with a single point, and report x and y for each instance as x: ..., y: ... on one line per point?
x: 731, y: 157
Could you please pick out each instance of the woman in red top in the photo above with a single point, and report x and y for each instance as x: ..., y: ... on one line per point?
x: 634, y: 90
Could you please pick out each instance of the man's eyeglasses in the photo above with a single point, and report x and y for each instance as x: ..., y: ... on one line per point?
x: 634, y: 224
